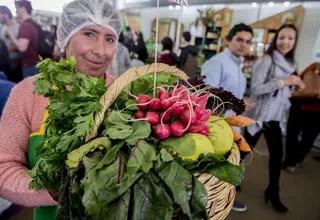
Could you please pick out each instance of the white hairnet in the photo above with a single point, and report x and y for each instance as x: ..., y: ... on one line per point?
x: 81, y: 13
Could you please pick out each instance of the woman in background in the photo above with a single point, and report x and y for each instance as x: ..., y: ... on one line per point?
x: 167, y: 56
x: 122, y: 61
x: 139, y: 50
x: 271, y: 87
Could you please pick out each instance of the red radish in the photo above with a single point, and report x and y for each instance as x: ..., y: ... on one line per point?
x: 152, y: 118
x: 165, y: 104
x: 155, y: 104
x: 181, y: 91
x: 139, y: 114
x: 199, y: 111
x: 162, y: 131
x: 187, y: 116
x: 163, y: 94
x: 193, y: 98
x: 176, y: 111
x: 204, y: 131
x: 205, y: 115
x: 143, y: 102
x: 176, y: 129
x: 203, y: 100
x: 165, y: 116
x: 197, y: 126
x: 174, y: 100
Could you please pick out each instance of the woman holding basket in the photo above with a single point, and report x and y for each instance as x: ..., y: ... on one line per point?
x: 88, y: 30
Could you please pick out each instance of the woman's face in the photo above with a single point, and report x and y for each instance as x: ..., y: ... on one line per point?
x: 93, y: 47
x: 135, y: 36
x: 286, y: 40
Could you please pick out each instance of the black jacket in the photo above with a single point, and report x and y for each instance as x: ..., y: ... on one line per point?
x: 185, y: 52
x: 4, y: 58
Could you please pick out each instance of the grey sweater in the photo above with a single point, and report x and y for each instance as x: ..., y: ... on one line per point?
x: 271, y: 98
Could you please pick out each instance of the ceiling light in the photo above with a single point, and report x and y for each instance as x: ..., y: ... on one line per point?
x: 286, y: 4
x: 270, y: 4
x: 178, y: 7
x: 170, y: 7
x: 254, y: 4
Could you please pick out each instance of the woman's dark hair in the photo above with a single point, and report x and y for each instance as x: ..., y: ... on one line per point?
x: 273, y: 46
x: 5, y: 10
x: 187, y: 36
x: 121, y: 37
x: 167, y: 44
x: 25, y: 4
x: 140, y: 37
x: 238, y: 28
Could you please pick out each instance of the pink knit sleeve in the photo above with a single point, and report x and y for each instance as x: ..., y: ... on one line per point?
x: 15, y: 129
x: 110, y: 79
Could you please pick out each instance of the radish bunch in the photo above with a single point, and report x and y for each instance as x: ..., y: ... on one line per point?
x: 174, y: 113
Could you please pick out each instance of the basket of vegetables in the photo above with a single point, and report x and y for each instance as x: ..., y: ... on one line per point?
x: 149, y: 146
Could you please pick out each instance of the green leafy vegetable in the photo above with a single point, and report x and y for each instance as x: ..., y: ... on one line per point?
x: 119, y: 131
x: 74, y: 99
x: 132, y: 105
x: 75, y: 157
x: 141, y: 158
x: 217, y: 166
x: 144, y: 85
x: 141, y: 130
x: 105, y: 185
x: 151, y: 200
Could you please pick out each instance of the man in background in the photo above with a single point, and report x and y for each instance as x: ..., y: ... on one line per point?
x: 224, y: 70
x: 28, y: 38
x: 7, y: 20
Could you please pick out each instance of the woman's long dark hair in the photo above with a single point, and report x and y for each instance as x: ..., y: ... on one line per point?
x: 273, y: 46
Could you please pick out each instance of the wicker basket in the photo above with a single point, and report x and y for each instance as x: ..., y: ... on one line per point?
x: 220, y: 194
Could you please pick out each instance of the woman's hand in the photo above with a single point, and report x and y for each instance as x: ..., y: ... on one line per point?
x: 249, y: 104
x: 293, y: 80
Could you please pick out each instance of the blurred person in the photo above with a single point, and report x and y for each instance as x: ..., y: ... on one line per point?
x: 5, y: 68
x: 139, y: 49
x: 56, y: 50
x: 167, y: 56
x: 189, y: 55
x: 272, y: 79
x: 28, y: 38
x: 304, y: 114
x: 6, y: 18
x: 224, y: 70
x: 128, y: 38
x: 53, y: 30
x: 7, y: 209
x: 122, y: 61
x: 152, y: 39
x: 88, y: 30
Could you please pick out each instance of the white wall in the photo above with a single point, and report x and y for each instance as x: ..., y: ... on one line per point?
x: 246, y: 14
x: 308, y: 35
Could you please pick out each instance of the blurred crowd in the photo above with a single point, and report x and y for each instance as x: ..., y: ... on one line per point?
x: 276, y: 86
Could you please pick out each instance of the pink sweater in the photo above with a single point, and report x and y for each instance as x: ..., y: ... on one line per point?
x: 22, y: 116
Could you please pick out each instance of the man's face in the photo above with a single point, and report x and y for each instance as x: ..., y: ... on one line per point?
x: 240, y: 43
x: 19, y: 11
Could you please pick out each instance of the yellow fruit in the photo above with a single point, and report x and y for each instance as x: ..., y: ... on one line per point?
x: 203, y: 145
x: 220, y: 135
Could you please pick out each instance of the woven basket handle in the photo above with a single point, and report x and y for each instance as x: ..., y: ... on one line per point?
x: 120, y: 83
